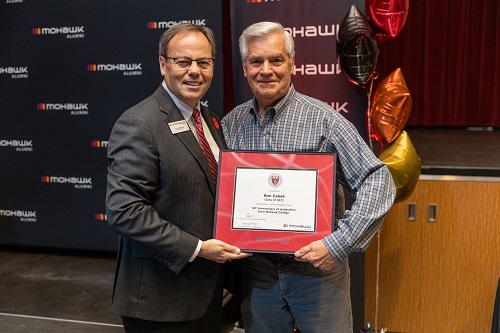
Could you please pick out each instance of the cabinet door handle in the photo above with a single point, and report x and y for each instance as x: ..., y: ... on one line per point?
x: 412, y: 211
x: 432, y: 211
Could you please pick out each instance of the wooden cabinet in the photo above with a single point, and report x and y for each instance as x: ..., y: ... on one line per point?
x: 437, y: 276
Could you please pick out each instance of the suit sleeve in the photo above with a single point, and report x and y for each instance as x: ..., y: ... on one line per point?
x: 132, y: 192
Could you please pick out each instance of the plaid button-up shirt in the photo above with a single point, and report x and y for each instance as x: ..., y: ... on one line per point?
x: 300, y: 123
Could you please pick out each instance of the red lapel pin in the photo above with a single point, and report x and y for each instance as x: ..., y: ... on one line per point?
x: 216, y: 123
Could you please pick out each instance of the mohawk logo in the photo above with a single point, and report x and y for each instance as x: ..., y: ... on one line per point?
x: 17, y: 213
x: 319, y: 69
x: 16, y: 143
x: 169, y: 24
x: 313, y: 31
x: 76, y: 109
x: 79, y: 182
x: 24, y: 215
x: 340, y: 107
x: 16, y: 72
x: 127, y: 69
x: 58, y: 31
x: 99, y: 144
x: 20, y: 145
x: 62, y: 106
x: 100, y: 217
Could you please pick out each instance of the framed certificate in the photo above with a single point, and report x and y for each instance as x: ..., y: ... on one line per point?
x: 274, y: 201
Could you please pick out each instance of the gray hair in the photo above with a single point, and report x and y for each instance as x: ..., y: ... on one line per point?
x: 263, y: 29
x: 179, y: 28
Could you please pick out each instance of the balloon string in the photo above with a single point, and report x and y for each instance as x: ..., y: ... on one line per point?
x: 369, y: 116
x: 369, y: 113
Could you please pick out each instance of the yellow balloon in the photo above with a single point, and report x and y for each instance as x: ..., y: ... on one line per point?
x: 404, y: 164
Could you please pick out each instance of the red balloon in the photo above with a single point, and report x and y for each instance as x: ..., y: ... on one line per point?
x: 390, y: 106
x: 387, y: 16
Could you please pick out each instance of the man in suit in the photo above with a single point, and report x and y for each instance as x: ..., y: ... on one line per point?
x: 161, y: 196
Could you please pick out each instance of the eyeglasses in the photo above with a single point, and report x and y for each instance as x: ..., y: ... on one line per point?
x: 185, y: 63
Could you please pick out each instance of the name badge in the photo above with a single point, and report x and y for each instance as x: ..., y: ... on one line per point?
x: 179, y: 126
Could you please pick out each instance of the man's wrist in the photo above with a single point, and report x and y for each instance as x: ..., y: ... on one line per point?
x: 196, y: 251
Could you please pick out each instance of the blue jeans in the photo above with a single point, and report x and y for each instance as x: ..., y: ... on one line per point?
x: 282, y: 292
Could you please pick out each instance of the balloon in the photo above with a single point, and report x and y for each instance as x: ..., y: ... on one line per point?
x: 387, y: 16
x: 390, y: 106
x: 357, y: 48
x: 404, y: 164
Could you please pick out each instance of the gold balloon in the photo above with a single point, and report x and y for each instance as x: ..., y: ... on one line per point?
x: 390, y: 106
x: 404, y: 164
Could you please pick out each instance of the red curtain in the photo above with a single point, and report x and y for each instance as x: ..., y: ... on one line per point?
x: 449, y: 53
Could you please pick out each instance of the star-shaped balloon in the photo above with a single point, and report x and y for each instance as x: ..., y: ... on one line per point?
x: 387, y: 16
x: 390, y: 107
x: 357, y: 48
x: 404, y: 164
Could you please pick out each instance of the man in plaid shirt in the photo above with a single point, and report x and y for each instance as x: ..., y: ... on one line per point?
x: 310, y: 289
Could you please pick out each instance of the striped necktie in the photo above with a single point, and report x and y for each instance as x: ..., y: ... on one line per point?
x: 205, y: 147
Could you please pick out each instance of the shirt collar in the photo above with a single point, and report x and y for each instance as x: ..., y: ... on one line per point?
x: 278, y: 108
x: 186, y: 111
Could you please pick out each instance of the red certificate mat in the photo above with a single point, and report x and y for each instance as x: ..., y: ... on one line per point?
x: 274, y: 201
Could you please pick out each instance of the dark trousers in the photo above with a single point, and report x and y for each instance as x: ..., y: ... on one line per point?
x: 210, y: 322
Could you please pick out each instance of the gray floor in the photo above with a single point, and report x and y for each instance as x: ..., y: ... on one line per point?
x: 56, y: 293
x: 59, y: 293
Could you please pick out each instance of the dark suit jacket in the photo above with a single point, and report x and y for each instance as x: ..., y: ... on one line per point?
x: 160, y: 199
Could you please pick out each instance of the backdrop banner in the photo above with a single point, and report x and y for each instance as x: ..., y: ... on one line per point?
x: 314, y: 25
x: 68, y: 69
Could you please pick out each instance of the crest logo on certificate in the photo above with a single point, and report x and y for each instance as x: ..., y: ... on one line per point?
x: 275, y: 180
